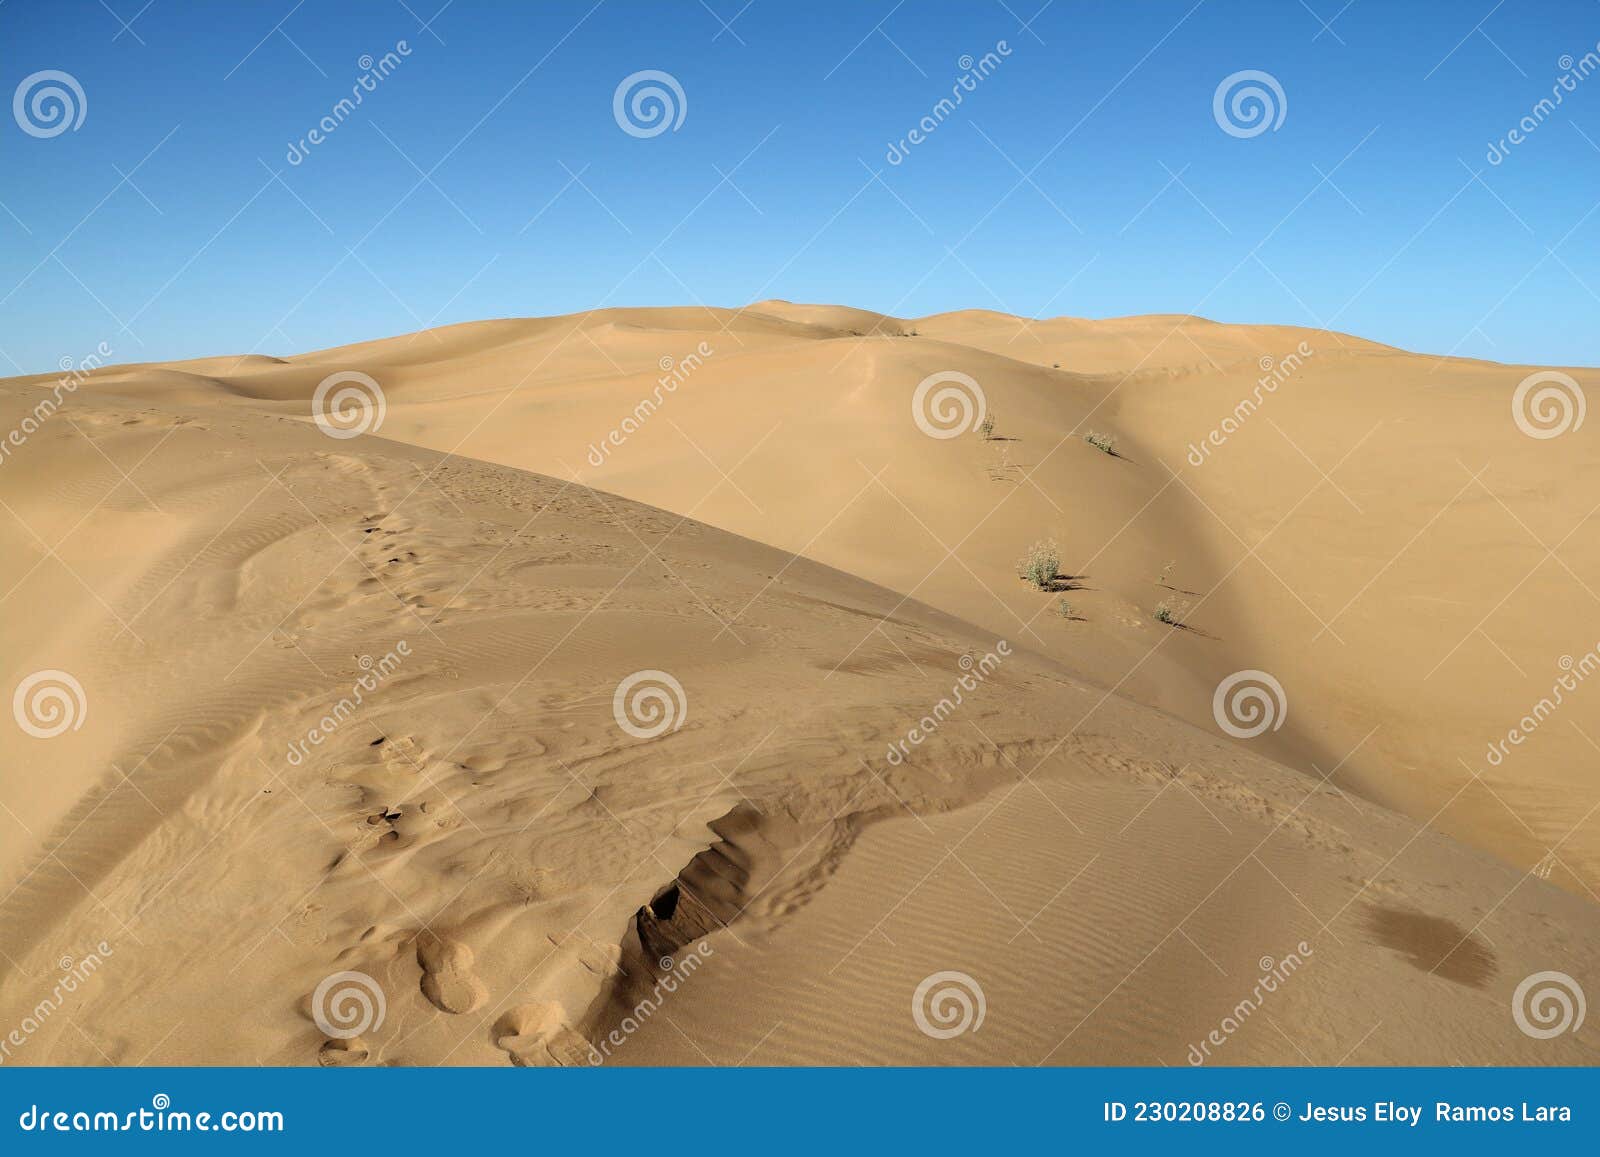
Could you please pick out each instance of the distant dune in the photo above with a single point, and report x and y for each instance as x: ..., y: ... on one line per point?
x: 657, y: 686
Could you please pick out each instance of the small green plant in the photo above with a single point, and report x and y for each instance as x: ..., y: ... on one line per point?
x: 1105, y: 443
x: 986, y: 427
x: 1041, y: 564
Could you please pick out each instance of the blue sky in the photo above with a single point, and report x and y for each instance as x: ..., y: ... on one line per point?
x: 486, y: 175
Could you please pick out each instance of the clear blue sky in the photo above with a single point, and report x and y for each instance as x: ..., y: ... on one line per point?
x: 158, y: 226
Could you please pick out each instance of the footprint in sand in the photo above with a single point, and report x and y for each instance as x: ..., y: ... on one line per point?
x: 536, y: 1035
x: 447, y: 977
x: 402, y: 754
x: 340, y: 1054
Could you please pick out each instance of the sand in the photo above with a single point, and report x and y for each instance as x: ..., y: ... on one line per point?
x: 356, y: 768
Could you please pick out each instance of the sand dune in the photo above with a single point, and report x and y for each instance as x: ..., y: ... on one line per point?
x: 1375, y: 533
x: 510, y: 870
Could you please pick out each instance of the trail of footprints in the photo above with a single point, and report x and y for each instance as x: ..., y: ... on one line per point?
x: 401, y: 808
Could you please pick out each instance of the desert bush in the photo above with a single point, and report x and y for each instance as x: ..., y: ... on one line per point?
x: 1041, y: 564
